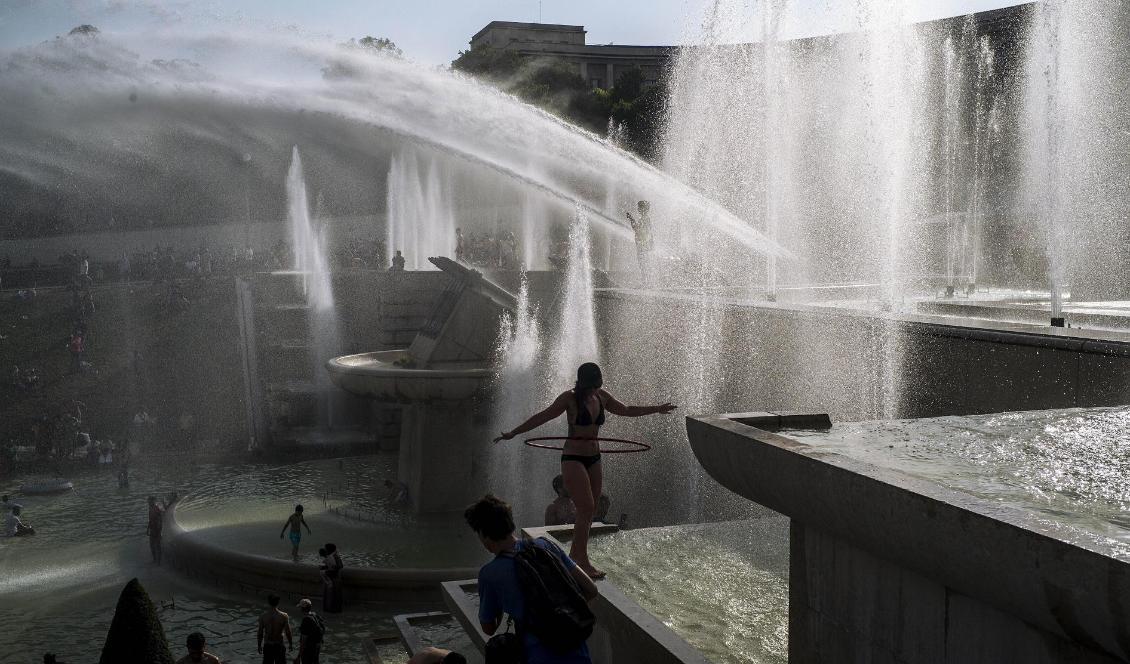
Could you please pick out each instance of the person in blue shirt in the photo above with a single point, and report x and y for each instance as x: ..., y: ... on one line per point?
x: 499, y: 589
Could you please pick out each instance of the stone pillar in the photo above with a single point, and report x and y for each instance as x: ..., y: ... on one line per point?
x: 436, y: 453
x: 609, y: 81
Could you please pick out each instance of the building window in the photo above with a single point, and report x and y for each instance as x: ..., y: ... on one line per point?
x: 596, y: 82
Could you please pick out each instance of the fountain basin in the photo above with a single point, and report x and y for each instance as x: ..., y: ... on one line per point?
x: 378, y: 376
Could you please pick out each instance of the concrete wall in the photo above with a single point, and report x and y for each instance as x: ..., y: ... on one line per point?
x: 735, y: 357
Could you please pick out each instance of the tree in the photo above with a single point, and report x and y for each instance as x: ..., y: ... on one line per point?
x: 84, y: 30
x: 136, y: 635
x: 556, y: 86
x: 381, y: 45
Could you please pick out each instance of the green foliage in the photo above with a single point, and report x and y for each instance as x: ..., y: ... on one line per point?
x: 136, y: 635
x: 381, y: 45
x: 84, y: 30
x: 556, y: 86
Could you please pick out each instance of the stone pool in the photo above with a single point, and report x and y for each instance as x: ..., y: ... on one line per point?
x: 721, y: 586
x: 1068, y: 466
x: 60, y: 586
x: 345, y: 501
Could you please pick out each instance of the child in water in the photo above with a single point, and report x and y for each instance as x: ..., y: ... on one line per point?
x: 295, y: 522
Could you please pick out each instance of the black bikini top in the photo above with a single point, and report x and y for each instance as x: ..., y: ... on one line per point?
x: 584, y: 418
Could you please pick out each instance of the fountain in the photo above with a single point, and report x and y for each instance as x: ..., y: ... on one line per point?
x: 436, y: 378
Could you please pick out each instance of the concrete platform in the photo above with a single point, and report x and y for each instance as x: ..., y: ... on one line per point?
x: 885, y: 567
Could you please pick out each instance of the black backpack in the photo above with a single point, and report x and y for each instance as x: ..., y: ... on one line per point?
x: 556, y: 612
x: 319, y: 634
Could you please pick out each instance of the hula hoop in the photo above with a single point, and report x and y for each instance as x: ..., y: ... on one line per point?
x: 636, y: 446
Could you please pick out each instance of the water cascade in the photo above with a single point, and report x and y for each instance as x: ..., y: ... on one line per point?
x: 576, y: 341
x: 421, y: 215
x: 308, y: 242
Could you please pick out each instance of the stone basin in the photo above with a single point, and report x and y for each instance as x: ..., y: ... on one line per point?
x: 377, y: 376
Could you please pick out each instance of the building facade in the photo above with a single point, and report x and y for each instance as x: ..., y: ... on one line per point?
x: 600, y: 65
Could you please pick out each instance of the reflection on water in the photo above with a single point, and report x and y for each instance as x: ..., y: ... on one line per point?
x: 721, y: 586
x: 344, y: 501
x: 1071, y: 466
x: 60, y: 586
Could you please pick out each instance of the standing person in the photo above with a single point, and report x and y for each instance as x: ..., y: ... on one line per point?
x: 274, y: 624
x: 295, y: 522
x: 332, y: 596
x: 642, y: 228
x: 584, y: 408
x: 195, y: 643
x: 311, y: 634
x: 501, y: 585
x: 76, y: 346
x: 460, y: 246
x: 155, y: 527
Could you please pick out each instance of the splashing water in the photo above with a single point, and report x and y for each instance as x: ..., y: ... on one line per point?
x: 115, y: 119
x: 576, y: 342
x: 310, y: 262
x: 306, y: 240
x: 421, y: 215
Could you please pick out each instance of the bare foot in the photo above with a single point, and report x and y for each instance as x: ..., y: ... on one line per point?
x: 593, y: 572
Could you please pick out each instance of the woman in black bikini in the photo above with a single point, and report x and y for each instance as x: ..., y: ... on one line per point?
x: 585, y: 405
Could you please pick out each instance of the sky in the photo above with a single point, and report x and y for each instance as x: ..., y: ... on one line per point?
x: 429, y: 31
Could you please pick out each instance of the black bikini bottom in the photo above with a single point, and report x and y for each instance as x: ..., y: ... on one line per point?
x: 587, y: 460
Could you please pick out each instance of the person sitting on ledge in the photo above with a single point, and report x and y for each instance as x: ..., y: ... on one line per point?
x: 397, y: 262
x: 584, y: 408
x: 196, y: 653
x: 561, y: 511
x: 437, y: 656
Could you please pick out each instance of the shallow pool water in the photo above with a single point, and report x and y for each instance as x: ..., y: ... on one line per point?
x: 1070, y: 467
x: 344, y: 501
x: 60, y: 586
x: 721, y: 586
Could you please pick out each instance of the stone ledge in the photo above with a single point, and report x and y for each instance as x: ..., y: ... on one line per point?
x: 224, y: 566
x: 1047, y: 575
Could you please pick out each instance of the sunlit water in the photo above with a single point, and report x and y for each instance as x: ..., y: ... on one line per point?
x: 344, y: 502
x: 61, y: 586
x: 721, y: 586
x: 1071, y: 467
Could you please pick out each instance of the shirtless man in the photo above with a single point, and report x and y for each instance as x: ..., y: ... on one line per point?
x: 196, y: 653
x: 273, y: 625
x: 295, y: 523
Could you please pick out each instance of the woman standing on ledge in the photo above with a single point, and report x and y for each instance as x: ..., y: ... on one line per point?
x: 580, y: 459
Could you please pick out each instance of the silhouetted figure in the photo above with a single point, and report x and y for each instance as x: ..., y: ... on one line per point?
x: 311, y: 634
x: 561, y: 511
x: 274, y: 624
x: 156, y: 525
x: 642, y: 228
x: 584, y: 407
x: 332, y: 593
x: 195, y: 643
x: 295, y: 522
x: 397, y: 262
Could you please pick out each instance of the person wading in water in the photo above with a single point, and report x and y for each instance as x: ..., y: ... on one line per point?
x: 584, y: 406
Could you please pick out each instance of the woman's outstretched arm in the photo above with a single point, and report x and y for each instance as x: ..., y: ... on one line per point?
x: 559, y: 405
x: 616, y: 408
